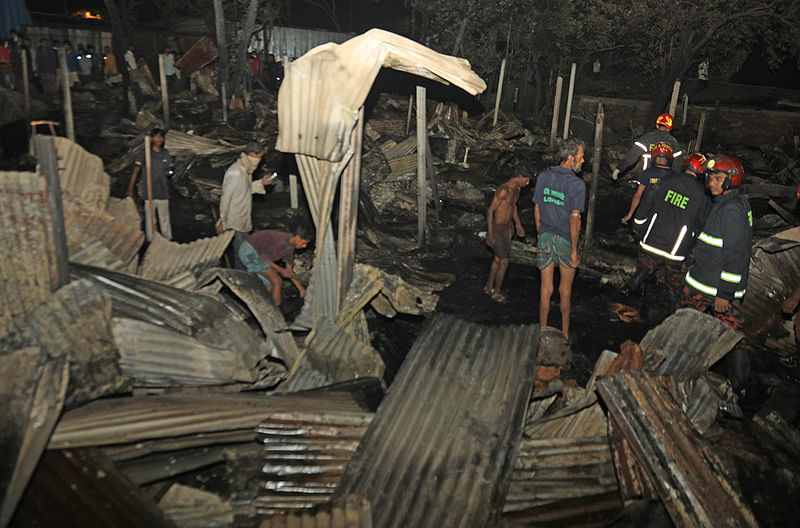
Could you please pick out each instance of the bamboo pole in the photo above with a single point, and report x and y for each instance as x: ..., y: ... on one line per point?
x: 293, y: 201
x: 499, y: 91
x: 673, y: 102
x: 26, y: 85
x: 408, y: 117
x: 685, y: 109
x: 422, y: 133
x: 70, y: 124
x: 48, y: 167
x: 162, y: 75
x: 569, y: 100
x: 147, y: 166
x: 700, y: 129
x: 348, y: 212
x: 597, y: 155
x: 556, y: 109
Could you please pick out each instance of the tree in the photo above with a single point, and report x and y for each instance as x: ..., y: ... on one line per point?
x: 328, y: 7
x: 121, y: 14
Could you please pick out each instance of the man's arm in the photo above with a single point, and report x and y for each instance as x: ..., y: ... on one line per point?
x: 537, y: 216
x: 736, y: 261
x: 574, y: 235
x: 136, y: 170
x: 517, y: 223
x: 637, y: 197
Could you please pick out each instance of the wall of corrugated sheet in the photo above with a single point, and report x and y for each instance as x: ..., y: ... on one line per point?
x: 293, y: 42
x: 441, y: 446
x: 28, y: 267
x: 772, y: 278
x: 164, y: 259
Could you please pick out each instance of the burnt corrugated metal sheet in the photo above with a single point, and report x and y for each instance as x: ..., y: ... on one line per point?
x: 28, y: 269
x: 75, y: 323
x: 33, y: 390
x: 686, y: 344
x: 194, y: 508
x: 350, y: 512
x: 774, y: 273
x: 165, y: 259
x: 81, y: 174
x: 252, y: 292
x: 304, y: 456
x: 331, y: 355
x: 182, y: 144
x: 153, y: 356
x: 336, y: 78
x: 685, y: 471
x: 82, y: 488
x: 442, y: 444
x: 133, y: 419
x: 556, y: 469
x: 201, y: 53
x: 94, y: 253
x: 293, y: 42
x: 200, y: 316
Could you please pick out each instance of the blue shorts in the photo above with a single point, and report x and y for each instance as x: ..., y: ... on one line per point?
x: 554, y: 249
x: 253, y: 261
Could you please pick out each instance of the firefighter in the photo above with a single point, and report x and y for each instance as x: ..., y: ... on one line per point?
x: 642, y: 149
x: 662, y: 161
x: 718, y: 279
x: 667, y: 222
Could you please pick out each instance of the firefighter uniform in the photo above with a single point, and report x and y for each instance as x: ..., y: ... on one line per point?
x: 722, y: 260
x: 671, y: 215
x: 641, y: 149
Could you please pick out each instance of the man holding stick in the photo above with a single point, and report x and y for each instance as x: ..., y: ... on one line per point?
x: 153, y: 186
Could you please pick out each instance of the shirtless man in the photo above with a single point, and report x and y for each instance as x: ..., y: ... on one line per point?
x: 502, y: 212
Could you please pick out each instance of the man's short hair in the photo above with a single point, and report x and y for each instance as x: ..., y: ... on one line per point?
x: 157, y: 132
x: 254, y: 147
x: 520, y: 169
x: 568, y: 147
x: 304, y: 231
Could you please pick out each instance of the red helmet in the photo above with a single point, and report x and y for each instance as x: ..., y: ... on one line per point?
x: 664, y: 120
x: 662, y: 149
x: 729, y: 165
x: 694, y: 163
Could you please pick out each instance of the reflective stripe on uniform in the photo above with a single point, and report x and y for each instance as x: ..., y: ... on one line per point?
x: 730, y: 277
x: 638, y: 221
x: 710, y: 240
x: 679, y: 240
x: 660, y: 252
x: 641, y: 146
x: 708, y: 290
x: 676, y: 154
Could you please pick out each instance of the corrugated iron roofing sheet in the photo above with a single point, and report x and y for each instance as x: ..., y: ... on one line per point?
x: 200, y: 316
x: 81, y: 174
x: 304, y: 456
x: 252, y: 292
x: 350, y: 512
x: 442, y: 444
x: 201, y: 53
x: 332, y: 355
x: 28, y: 269
x: 555, y: 469
x: 684, y: 469
x: 137, y: 418
x: 182, y: 144
x: 334, y: 80
x: 154, y: 356
x: 165, y: 259
x: 686, y: 344
x: 75, y: 323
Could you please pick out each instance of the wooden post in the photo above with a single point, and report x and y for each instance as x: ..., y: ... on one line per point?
x: 673, y: 103
x: 26, y: 86
x: 48, y: 167
x: 348, y: 212
x: 408, y: 117
x: 597, y: 154
x: 222, y: 47
x: 422, y: 133
x: 162, y: 75
x: 70, y: 124
x: 700, y: 128
x: 293, y: 201
x: 685, y: 109
x: 147, y: 166
x: 499, y: 91
x: 556, y: 109
x: 569, y: 100
x: 431, y: 173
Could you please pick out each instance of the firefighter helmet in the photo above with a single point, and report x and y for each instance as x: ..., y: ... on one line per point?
x: 730, y: 166
x: 664, y: 120
x: 694, y: 163
x: 662, y: 149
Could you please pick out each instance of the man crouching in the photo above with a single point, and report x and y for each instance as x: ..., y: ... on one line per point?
x: 502, y: 211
